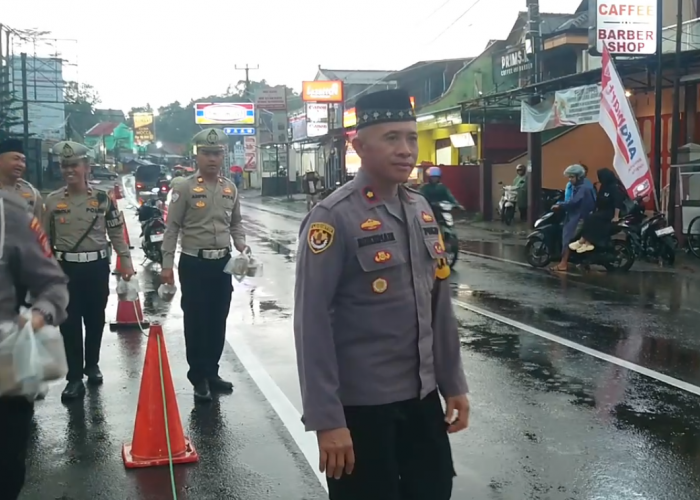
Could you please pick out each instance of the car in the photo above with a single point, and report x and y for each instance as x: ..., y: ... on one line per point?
x: 102, y: 173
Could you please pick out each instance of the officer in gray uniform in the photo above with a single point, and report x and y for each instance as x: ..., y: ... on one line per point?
x: 12, y: 167
x: 25, y: 261
x: 376, y: 336
x: 205, y: 213
x: 78, y: 219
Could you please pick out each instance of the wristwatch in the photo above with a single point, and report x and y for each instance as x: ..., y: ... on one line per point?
x: 48, y: 317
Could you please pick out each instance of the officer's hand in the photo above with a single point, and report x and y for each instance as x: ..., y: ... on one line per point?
x: 167, y: 277
x: 457, y: 413
x: 126, y: 274
x: 336, y: 452
x: 241, y: 247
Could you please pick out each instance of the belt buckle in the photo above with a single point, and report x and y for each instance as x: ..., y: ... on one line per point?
x: 82, y: 257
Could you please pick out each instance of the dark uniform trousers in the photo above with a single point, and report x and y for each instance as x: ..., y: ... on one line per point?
x: 88, y: 287
x: 402, y: 452
x: 206, y: 297
x: 15, y: 425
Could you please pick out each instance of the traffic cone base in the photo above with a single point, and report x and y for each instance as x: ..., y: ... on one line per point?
x: 151, y: 445
x: 129, y: 315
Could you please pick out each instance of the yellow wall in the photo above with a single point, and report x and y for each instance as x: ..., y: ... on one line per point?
x: 427, y: 138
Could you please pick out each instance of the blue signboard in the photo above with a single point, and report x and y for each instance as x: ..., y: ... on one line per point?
x: 239, y: 131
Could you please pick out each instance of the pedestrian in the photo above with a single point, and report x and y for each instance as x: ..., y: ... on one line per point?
x: 311, y: 185
x: 376, y: 336
x: 78, y: 219
x: 205, y: 213
x: 25, y: 261
x: 12, y: 167
x: 520, y: 185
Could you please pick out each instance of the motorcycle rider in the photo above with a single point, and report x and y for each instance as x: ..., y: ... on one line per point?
x: 435, y: 191
x: 520, y: 185
x: 581, y: 204
x: 596, y: 227
x: 569, y: 191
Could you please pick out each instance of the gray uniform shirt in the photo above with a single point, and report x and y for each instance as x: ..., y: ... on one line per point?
x: 67, y: 217
x: 373, y: 318
x: 25, y: 257
x: 30, y: 195
x: 206, y: 217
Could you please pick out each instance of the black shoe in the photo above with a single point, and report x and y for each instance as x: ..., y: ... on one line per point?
x: 74, y: 390
x: 94, y: 375
x: 218, y: 384
x: 202, y: 392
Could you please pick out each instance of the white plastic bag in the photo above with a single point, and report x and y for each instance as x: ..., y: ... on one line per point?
x: 28, y: 359
x: 237, y: 266
x: 167, y: 292
x: 128, y: 291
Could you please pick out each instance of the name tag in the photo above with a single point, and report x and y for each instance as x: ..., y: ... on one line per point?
x: 375, y: 239
x: 431, y: 231
x: 198, y: 196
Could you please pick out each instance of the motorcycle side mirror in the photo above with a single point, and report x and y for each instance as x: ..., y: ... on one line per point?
x: 500, y: 183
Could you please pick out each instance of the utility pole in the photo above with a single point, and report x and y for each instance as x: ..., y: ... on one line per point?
x: 656, y: 174
x: 247, y: 70
x: 676, y: 117
x: 25, y: 101
x: 534, y: 140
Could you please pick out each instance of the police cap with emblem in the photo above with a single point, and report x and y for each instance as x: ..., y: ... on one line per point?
x: 11, y: 146
x: 209, y: 139
x: 70, y: 152
x: 385, y: 106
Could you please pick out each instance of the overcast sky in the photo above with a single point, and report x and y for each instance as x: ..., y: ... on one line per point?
x: 156, y: 51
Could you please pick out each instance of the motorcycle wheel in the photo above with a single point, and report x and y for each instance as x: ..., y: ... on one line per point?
x: 624, y: 257
x: 508, y: 215
x: 667, y: 252
x: 537, y: 253
x: 452, y: 252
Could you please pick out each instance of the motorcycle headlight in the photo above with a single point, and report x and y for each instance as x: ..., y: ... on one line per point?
x: 445, y: 207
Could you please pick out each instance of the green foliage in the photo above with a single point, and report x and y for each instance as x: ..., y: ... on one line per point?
x: 175, y: 121
x: 80, y: 102
x: 10, y: 116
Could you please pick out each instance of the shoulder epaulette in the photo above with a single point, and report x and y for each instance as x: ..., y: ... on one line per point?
x: 340, y: 194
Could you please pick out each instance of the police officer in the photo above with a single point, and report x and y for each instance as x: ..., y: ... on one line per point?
x: 25, y: 260
x: 206, y: 213
x: 78, y: 219
x: 376, y: 336
x: 12, y: 167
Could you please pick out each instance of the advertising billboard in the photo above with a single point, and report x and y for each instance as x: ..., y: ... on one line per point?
x: 625, y: 26
x: 316, y: 119
x: 322, y: 91
x: 224, y: 113
x: 271, y: 98
x: 251, y: 154
x: 144, y: 128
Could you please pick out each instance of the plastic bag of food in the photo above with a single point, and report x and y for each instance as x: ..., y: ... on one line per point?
x: 237, y: 266
x: 167, y: 292
x: 128, y: 291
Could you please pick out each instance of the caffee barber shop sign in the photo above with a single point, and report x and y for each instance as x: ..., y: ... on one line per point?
x: 515, y: 61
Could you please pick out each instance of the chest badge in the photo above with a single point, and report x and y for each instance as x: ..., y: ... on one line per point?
x: 27, y: 195
x: 198, y: 189
x: 380, y: 285
x: 382, y: 256
x: 427, y: 217
x: 94, y: 203
x: 200, y: 204
x: 370, y: 225
x: 228, y: 191
x: 439, y: 249
x: 62, y: 206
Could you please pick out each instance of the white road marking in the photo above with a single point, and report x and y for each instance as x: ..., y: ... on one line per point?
x: 288, y: 414
x: 491, y: 257
x: 660, y: 377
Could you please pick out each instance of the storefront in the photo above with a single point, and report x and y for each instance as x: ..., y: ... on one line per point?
x: 444, y: 140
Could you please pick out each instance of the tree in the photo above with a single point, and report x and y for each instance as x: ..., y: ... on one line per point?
x: 11, y: 119
x: 81, y: 93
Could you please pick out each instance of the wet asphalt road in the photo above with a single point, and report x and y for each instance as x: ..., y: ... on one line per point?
x: 558, y: 411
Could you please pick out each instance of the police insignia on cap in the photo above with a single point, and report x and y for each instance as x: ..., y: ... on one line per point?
x: 320, y: 237
x: 212, y: 137
x: 380, y: 285
x: 67, y: 151
x: 370, y: 225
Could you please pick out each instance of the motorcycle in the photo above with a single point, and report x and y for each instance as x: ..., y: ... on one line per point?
x: 152, y: 229
x: 444, y: 218
x: 551, y: 197
x: 545, y: 245
x: 651, y: 238
x: 506, y: 205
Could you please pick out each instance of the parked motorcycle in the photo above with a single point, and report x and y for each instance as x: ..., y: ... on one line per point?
x: 507, y: 203
x: 544, y: 245
x: 444, y: 218
x: 651, y: 238
x: 152, y: 229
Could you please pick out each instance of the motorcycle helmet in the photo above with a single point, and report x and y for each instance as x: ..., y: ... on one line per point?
x: 434, y: 172
x: 575, y: 170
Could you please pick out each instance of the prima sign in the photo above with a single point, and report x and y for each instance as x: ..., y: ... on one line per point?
x: 515, y: 61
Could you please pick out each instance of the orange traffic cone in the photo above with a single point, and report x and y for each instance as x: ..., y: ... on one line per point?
x: 157, y: 415
x: 117, y: 192
x: 129, y: 315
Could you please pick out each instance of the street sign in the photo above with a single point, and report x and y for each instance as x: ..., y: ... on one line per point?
x: 239, y: 131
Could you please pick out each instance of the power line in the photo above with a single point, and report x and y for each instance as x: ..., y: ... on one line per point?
x: 455, y: 21
x: 436, y: 10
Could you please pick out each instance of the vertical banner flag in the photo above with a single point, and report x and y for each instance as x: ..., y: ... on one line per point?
x: 618, y: 121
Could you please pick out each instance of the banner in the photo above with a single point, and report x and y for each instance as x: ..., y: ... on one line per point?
x: 144, y: 128
x: 570, y: 107
x: 618, y: 121
x: 250, y: 145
